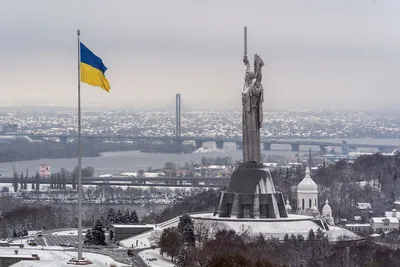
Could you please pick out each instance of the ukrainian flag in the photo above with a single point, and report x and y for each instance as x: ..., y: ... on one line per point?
x: 93, y: 69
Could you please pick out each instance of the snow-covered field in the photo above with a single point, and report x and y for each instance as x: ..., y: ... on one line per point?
x: 295, y: 224
x: 59, y: 258
x: 73, y: 232
x: 53, y: 255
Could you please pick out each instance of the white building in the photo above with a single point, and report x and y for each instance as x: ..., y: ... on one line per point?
x: 327, y: 210
x: 288, y: 207
x: 44, y: 171
x: 364, y: 206
x: 385, y: 224
x: 307, y: 193
x: 358, y: 227
x: 392, y: 213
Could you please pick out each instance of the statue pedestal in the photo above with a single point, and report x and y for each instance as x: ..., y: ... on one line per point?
x: 251, y: 194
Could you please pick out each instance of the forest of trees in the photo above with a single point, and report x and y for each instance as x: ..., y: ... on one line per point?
x: 204, y: 201
x: 372, y: 178
x: 16, y: 218
x: 96, y: 236
x: 23, y: 218
x: 121, y: 217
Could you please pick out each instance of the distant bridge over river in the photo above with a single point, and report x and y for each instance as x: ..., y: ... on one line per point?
x: 219, y: 141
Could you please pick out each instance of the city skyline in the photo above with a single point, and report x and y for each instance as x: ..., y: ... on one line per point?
x: 318, y: 55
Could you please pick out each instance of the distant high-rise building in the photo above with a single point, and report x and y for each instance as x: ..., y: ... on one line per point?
x: 178, y: 115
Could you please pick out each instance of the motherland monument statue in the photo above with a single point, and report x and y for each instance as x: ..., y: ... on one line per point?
x: 251, y: 192
x: 252, y: 100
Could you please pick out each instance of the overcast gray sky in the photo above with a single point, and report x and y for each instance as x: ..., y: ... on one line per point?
x: 341, y: 53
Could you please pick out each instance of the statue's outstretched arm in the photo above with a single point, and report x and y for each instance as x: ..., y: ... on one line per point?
x: 259, y: 71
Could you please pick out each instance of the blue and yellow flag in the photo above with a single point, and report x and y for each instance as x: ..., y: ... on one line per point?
x: 93, y: 69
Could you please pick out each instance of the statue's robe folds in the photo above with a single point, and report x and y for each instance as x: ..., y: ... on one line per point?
x: 252, y: 99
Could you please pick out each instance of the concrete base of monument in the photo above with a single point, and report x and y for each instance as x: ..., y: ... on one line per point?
x: 251, y: 193
x: 277, y: 228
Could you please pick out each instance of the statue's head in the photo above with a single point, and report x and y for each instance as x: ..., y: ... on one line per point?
x: 249, y: 76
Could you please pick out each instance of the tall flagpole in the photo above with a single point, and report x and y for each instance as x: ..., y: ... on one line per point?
x: 79, y: 154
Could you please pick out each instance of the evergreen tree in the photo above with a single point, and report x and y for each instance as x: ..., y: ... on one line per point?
x: 183, y: 258
x: 311, y: 236
x: 111, y: 217
x: 21, y: 180
x: 134, y: 217
x: 300, y: 239
x: 55, y: 181
x: 88, y: 238
x: 37, y: 180
x: 33, y: 185
x: 59, y: 181
x: 51, y: 181
x: 293, y: 240
x: 186, y: 228
x: 286, y: 238
x: 14, y: 233
x: 260, y: 240
x: 25, y: 232
x: 119, y: 216
x: 98, y: 236
x: 64, y: 179
x: 320, y: 235
x: 15, y: 181
x: 74, y: 183
x: 126, y: 217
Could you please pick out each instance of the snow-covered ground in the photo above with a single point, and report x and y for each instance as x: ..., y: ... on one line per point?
x: 59, y: 258
x: 212, y: 149
x: 295, y: 224
x: 144, y: 240
x: 149, y: 254
x: 73, y: 232
x: 336, y: 233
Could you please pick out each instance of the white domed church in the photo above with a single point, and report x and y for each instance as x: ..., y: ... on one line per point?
x: 307, y: 193
x: 307, y: 200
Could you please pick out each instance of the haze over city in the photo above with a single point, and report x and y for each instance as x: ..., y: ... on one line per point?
x: 336, y: 54
x: 234, y: 133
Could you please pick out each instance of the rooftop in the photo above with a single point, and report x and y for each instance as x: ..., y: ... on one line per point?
x: 389, y: 214
x: 307, y: 185
x: 357, y: 224
x: 133, y: 225
x: 380, y: 219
